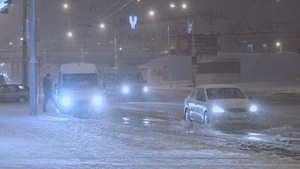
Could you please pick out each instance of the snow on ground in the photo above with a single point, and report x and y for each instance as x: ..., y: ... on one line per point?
x: 52, y: 140
x: 57, y: 141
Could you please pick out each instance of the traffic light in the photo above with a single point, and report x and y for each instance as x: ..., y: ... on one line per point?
x: 8, y: 1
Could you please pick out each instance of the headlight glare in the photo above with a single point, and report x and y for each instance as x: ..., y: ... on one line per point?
x: 253, y: 108
x: 97, y: 100
x: 217, y: 109
x: 66, y: 101
x: 145, y: 89
x: 125, y: 89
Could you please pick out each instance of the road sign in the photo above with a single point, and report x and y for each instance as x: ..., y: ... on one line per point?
x: 183, y: 46
x: 206, y: 44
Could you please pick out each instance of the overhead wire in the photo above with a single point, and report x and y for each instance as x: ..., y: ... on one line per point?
x: 117, y: 10
x: 107, y: 9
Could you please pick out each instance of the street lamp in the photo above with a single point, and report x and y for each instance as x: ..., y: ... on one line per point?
x: 102, y: 26
x: 151, y: 13
x: 66, y: 6
x: 280, y: 47
x: 70, y: 34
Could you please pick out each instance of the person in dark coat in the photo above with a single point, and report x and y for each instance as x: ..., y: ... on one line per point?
x: 48, y: 91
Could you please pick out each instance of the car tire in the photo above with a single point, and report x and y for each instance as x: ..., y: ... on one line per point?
x: 206, y: 119
x: 187, y: 115
x: 21, y: 100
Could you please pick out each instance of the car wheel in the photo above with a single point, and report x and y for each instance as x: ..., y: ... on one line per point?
x: 206, y: 119
x: 187, y: 115
x: 21, y: 100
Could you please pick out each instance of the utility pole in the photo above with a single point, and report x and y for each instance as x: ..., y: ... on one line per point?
x: 169, y: 55
x: 116, y: 56
x: 33, y: 62
x: 24, y: 45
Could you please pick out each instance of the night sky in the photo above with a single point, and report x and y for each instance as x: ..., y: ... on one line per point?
x: 55, y: 20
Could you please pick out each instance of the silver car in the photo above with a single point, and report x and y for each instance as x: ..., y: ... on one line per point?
x: 14, y: 93
x: 219, y: 104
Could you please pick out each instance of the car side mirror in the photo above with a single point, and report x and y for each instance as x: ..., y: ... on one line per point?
x: 250, y: 97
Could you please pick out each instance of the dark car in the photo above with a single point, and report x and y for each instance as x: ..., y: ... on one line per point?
x: 14, y: 93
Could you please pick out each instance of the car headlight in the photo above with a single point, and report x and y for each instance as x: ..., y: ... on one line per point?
x: 253, y: 108
x: 125, y: 89
x: 97, y: 100
x: 146, y: 89
x: 66, y: 101
x: 217, y: 109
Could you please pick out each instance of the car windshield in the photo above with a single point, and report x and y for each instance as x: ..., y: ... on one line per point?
x: 80, y: 80
x: 224, y: 93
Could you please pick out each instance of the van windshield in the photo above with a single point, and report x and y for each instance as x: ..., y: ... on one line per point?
x: 89, y: 80
x: 124, y: 77
x: 131, y: 77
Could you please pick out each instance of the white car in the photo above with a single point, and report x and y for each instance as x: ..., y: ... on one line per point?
x: 219, y: 104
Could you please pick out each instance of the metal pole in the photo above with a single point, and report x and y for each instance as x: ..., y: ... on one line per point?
x: 33, y: 62
x: 81, y: 53
x: 24, y: 45
x: 116, y: 57
x: 169, y: 54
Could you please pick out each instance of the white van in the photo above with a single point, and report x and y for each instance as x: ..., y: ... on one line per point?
x: 78, y: 89
x: 125, y: 83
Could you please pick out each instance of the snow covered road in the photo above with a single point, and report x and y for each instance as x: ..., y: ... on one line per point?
x: 144, y: 135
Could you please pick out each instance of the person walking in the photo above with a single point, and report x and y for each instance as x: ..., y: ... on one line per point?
x: 48, y: 89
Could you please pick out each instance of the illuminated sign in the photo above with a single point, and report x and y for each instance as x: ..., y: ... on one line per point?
x: 133, y: 21
x: 190, y: 27
x: 5, y: 4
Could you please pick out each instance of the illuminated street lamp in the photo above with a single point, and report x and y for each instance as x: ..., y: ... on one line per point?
x: 184, y: 6
x: 151, y: 13
x: 102, y: 26
x: 10, y: 43
x: 70, y: 34
x: 66, y: 6
x: 280, y: 47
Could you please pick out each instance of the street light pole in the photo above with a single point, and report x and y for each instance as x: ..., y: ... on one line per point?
x: 24, y: 45
x: 169, y: 54
x: 33, y: 62
x: 116, y: 56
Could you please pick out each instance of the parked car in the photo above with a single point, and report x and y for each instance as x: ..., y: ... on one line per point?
x: 14, y: 93
x: 219, y: 104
